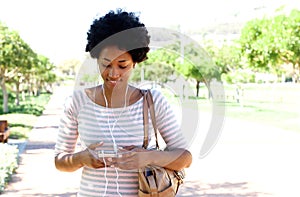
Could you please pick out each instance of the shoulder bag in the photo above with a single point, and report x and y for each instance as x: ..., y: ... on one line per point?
x: 156, y: 181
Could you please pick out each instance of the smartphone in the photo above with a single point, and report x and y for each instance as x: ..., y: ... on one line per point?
x: 107, y: 153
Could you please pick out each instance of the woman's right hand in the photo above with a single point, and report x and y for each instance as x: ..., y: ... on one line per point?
x: 90, y: 158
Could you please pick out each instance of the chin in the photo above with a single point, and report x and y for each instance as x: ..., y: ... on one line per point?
x: 116, y: 85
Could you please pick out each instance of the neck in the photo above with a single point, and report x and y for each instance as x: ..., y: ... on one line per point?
x: 116, y: 97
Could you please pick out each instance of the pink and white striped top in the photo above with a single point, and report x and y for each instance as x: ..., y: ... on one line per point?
x: 90, y: 123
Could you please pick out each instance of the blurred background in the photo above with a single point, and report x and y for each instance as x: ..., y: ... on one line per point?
x: 251, y: 48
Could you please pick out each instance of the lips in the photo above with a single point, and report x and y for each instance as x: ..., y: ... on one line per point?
x: 113, y: 82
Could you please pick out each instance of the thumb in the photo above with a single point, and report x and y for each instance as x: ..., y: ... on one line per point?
x: 131, y: 147
x: 95, y: 145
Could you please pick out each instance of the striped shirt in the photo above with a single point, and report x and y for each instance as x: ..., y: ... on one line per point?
x: 92, y: 123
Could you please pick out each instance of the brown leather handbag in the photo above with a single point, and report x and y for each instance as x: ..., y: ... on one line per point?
x: 156, y: 181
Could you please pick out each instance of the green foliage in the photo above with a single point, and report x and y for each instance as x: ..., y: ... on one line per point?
x: 239, y: 76
x: 19, y: 124
x: 31, y: 105
x: 43, y: 70
x: 8, y: 163
x: 267, y: 43
x: 198, y: 65
x: 21, y: 118
x: 15, y: 54
x: 19, y: 132
x: 20, y: 65
x: 158, y: 67
x: 226, y: 57
x: 252, y: 43
x: 165, y: 64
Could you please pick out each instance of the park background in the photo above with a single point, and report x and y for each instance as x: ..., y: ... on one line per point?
x: 251, y: 47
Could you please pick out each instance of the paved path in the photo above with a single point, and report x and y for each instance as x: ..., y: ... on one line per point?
x: 36, y: 175
x: 249, y: 160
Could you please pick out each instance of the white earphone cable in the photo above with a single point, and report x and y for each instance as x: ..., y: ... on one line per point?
x: 105, y: 172
x: 113, y: 139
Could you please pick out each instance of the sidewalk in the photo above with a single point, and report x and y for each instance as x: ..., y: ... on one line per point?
x: 36, y: 174
x: 249, y: 160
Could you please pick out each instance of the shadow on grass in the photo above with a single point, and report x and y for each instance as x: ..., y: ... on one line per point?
x: 20, y: 125
x: 17, y: 135
x: 19, y: 130
x: 33, y: 109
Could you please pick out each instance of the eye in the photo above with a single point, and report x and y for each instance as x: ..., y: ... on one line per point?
x: 122, y: 67
x: 105, y: 65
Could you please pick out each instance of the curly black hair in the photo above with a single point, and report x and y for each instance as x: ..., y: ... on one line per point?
x: 122, y: 29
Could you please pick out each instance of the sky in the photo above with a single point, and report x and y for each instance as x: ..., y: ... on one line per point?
x: 58, y: 28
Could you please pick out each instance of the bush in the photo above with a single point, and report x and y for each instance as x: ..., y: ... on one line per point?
x: 8, y: 163
x: 34, y: 105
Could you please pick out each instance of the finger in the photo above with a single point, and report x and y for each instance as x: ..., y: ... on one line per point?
x: 140, y: 150
x: 95, y: 145
x: 109, y: 162
x: 98, y: 164
x: 129, y: 147
x: 126, y: 154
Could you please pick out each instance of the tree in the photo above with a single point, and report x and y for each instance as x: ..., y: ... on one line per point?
x: 226, y: 57
x: 15, y: 57
x: 166, y: 62
x: 197, y: 65
x: 69, y: 67
x: 268, y: 43
x: 156, y: 68
x: 42, y: 74
x: 292, y: 42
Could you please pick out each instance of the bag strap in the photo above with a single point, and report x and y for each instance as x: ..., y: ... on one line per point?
x: 145, y: 118
x: 148, y: 104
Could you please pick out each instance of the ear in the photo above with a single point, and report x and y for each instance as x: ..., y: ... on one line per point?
x: 133, y: 66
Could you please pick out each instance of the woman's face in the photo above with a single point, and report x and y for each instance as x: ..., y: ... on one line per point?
x: 115, y: 67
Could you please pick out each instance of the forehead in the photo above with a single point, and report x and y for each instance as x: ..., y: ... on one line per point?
x: 114, y: 53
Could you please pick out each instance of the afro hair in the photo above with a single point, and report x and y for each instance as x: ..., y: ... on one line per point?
x: 121, y: 29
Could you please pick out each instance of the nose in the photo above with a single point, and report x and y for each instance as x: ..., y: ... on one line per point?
x: 113, y: 72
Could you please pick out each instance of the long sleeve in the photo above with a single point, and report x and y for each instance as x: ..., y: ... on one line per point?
x: 167, y: 123
x: 68, y: 128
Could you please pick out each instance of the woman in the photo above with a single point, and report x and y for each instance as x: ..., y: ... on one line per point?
x: 109, y: 118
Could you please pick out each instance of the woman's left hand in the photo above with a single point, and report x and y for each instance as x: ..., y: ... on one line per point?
x: 131, y: 158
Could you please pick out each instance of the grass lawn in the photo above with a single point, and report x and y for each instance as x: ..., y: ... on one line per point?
x: 21, y: 119
x: 272, y: 114
x: 273, y: 104
x: 277, y: 105
x: 20, y: 124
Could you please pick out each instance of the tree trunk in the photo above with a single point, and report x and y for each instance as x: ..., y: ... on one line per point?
x: 209, y: 93
x: 197, y: 88
x: 298, y: 73
x: 5, y: 95
x: 23, y: 95
x: 17, y: 93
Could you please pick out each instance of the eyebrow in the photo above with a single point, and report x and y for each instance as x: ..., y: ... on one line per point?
x: 108, y: 60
